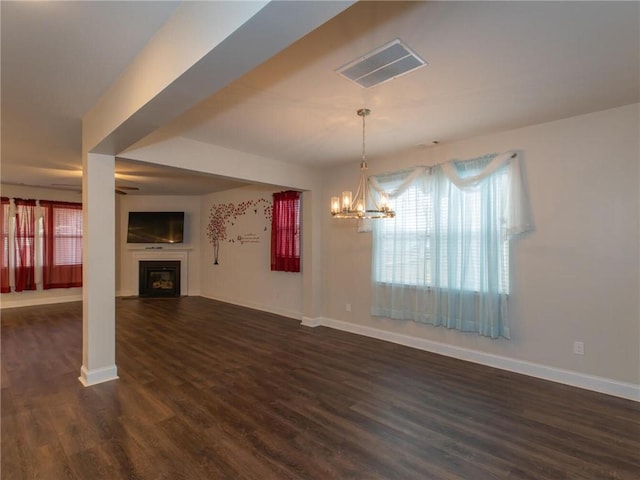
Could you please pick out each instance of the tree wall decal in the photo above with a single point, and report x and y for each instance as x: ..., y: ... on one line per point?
x: 223, y: 214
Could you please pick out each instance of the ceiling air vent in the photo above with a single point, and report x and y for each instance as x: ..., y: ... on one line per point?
x: 382, y: 64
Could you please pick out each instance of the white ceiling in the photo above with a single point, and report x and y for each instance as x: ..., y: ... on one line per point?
x: 491, y: 66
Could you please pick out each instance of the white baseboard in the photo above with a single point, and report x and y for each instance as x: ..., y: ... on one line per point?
x: 575, y: 379
x: 97, y: 375
x: 128, y: 293
x: 257, y: 306
x: 34, y: 300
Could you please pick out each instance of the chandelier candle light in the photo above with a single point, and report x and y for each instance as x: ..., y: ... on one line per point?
x: 364, y: 204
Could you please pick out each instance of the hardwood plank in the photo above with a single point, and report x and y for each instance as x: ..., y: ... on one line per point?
x: 209, y: 390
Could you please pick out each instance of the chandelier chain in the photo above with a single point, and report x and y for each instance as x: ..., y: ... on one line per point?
x: 363, y: 112
x: 364, y: 158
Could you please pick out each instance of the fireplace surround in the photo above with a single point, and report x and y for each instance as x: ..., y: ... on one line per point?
x: 138, y: 254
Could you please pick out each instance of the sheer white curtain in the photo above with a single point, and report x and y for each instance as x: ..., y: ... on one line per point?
x: 444, y: 259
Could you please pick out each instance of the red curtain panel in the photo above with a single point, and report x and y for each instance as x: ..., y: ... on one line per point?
x: 285, y: 232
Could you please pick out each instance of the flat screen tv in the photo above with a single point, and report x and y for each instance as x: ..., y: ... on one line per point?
x: 155, y: 227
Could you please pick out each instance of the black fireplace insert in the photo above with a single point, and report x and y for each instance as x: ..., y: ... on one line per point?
x: 159, y: 278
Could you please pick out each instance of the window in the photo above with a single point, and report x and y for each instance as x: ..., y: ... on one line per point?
x: 62, y: 246
x: 444, y: 258
x: 41, y: 245
x: 426, y: 235
x: 285, y: 232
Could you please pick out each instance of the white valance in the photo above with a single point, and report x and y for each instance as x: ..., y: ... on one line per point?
x: 517, y: 215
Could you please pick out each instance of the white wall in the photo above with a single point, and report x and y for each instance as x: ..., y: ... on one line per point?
x: 243, y: 275
x: 40, y: 297
x: 128, y: 268
x: 576, y: 275
x: 188, y: 154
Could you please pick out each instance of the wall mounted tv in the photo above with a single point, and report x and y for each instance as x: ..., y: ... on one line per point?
x: 155, y: 227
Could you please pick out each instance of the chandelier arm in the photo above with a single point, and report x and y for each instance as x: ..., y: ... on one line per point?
x: 354, y: 203
x: 372, y: 197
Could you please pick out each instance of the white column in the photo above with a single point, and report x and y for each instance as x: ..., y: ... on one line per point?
x: 311, y: 258
x: 98, y: 270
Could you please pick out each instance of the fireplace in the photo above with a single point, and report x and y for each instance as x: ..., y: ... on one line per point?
x: 159, y: 278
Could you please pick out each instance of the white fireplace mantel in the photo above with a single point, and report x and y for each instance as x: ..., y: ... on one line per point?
x: 160, y: 254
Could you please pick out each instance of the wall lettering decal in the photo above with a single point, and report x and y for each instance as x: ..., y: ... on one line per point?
x: 223, y: 215
x: 248, y: 238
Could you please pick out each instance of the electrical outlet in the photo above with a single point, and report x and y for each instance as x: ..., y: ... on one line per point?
x: 348, y: 307
x: 578, y: 348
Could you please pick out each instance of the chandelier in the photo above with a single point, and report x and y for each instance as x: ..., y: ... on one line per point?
x: 364, y: 204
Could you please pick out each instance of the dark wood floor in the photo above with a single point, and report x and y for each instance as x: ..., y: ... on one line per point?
x: 209, y: 390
